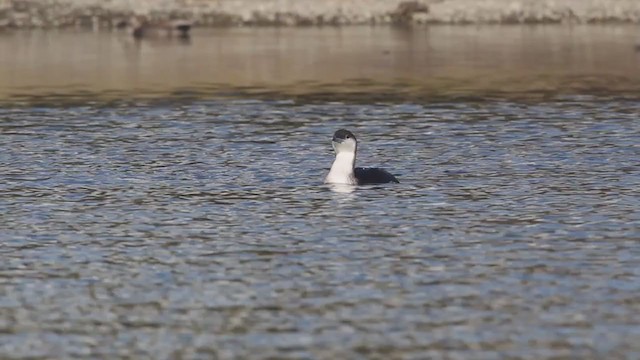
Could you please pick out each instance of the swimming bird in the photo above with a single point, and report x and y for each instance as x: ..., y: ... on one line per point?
x: 142, y: 27
x: 343, y: 170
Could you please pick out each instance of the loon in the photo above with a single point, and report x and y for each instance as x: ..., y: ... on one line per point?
x: 343, y: 170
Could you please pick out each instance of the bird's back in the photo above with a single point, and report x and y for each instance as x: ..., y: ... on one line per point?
x: 373, y: 176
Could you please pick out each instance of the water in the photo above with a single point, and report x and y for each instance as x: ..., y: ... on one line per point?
x: 140, y: 222
x: 202, y: 229
x: 328, y: 63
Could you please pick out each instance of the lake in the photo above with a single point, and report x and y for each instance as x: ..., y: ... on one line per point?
x: 164, y: 199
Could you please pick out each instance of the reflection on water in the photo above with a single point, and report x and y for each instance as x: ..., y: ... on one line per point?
x: 203, y: 230
x: 342, y: 188
x: 358, y: 63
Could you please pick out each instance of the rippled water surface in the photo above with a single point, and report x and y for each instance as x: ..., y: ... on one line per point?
x: 202, y: 229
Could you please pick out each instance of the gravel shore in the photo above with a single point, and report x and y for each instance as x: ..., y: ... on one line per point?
x: 104, y: 14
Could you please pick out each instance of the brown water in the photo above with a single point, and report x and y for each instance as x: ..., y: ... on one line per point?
x: 332, y: 63
x: 165, y: 200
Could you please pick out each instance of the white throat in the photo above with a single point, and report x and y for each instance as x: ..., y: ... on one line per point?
x: 342, y: 169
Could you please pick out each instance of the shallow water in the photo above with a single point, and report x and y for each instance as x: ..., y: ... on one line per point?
x: 202, y: 229
x: 366, y: 64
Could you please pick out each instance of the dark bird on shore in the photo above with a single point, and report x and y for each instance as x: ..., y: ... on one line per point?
x: 141, y: 27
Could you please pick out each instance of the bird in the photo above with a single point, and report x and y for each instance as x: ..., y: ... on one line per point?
x: 343, y: 170
x: 142, y: 27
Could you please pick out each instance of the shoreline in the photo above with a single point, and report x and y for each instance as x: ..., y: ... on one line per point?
x: 99, y: 14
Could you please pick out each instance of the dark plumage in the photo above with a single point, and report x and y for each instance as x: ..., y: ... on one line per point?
x: 141, y: 27
x: 373, y: 176
x: 343, y: 134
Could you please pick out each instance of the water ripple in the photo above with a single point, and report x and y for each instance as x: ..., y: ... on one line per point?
x: 204, y: 230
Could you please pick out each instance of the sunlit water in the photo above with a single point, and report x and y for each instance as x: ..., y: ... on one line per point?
x: 202, y: 229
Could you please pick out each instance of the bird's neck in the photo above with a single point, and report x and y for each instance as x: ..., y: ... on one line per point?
x: 342, y: 169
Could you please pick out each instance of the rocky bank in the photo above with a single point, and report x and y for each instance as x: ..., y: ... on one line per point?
x: 105, y: 14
